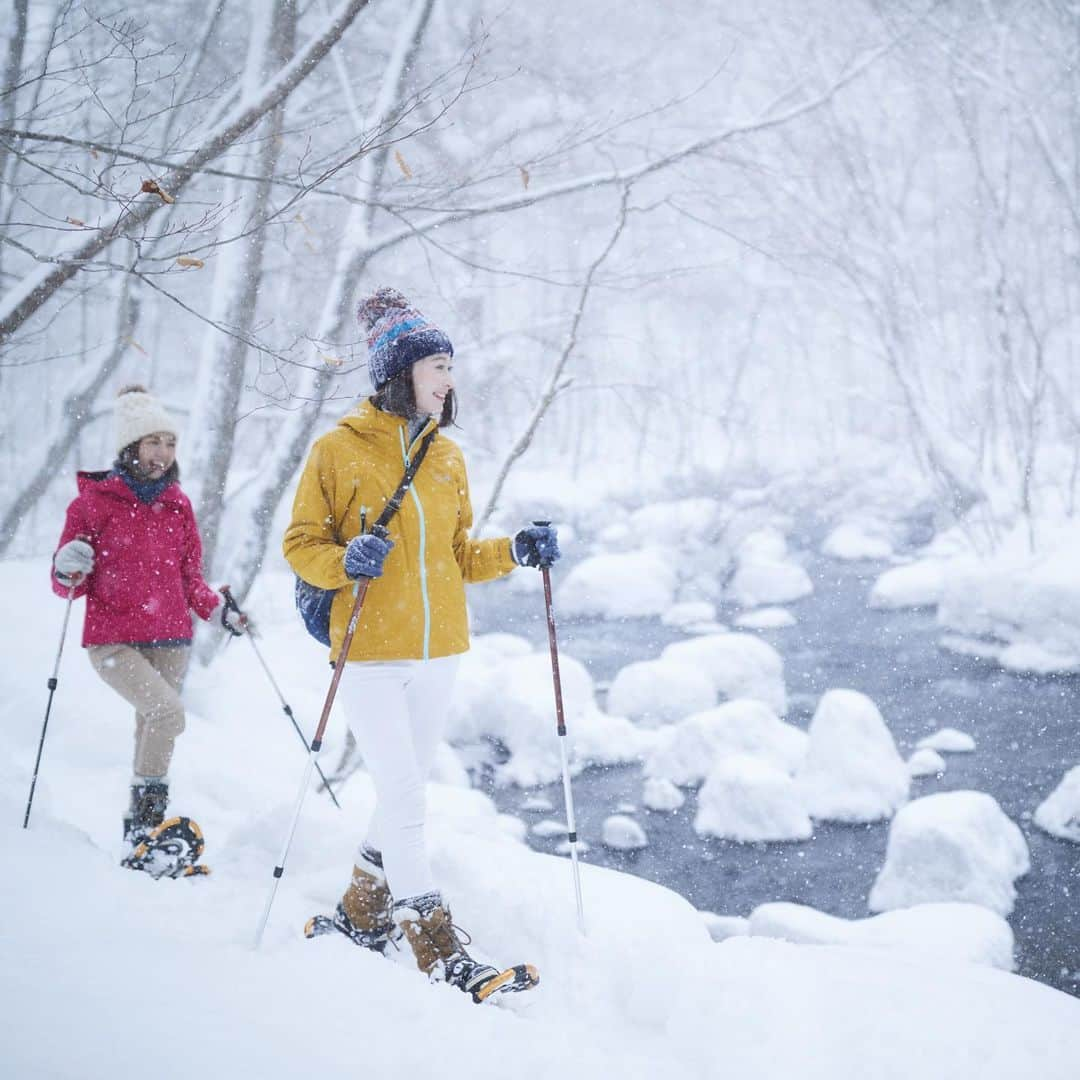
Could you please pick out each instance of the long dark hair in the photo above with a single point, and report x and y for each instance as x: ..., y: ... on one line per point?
x: 128, y: 461
x: 397, y: 396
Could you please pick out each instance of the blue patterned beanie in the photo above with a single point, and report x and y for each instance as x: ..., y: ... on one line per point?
x: 398, y: 335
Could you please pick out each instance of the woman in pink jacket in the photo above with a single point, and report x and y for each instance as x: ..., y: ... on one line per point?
x: 131, y: 546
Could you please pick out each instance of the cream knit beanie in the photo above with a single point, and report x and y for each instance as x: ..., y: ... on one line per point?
x: 137, y: 415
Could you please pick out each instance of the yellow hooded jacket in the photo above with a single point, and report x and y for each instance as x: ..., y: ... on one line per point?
x: 416, y: 609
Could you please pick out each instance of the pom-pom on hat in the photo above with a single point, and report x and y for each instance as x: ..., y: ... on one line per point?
x: 138, y: 414
x: 398, y: 335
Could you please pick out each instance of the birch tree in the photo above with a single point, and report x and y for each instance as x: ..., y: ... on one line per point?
x: 238, y: 280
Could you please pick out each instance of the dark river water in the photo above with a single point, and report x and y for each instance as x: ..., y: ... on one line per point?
x: 1027, y: 731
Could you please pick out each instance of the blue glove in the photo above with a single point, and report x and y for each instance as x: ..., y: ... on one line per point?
x: 537, y: 545
x: 365, y: 555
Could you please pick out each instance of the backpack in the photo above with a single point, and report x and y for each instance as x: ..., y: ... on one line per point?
x: 313, y: 603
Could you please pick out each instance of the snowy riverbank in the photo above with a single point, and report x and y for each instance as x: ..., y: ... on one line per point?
x: 646, y: 990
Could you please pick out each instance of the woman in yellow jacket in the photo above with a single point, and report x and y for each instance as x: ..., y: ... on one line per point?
x: 403, y: 658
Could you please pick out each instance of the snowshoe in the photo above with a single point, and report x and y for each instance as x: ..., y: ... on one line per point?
x: 171, y: 850
x: 484, y: 982
x: 340, y: 923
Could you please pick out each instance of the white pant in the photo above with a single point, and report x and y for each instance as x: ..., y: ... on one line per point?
x: 397, y: 712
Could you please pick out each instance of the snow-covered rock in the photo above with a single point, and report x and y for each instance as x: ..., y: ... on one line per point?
x: 689, y: 613
x: 563, y: 847
x: 1026, y: 604
x: 948, y: 740
x: 623, y: 833
x: 448, y: 768
x: 913, y: 585
x: 749, y: 800
x: 697, y: 519
x: 513, y: 827
x: 767, y: 544
x: 722, y: 927
x: 965, y: 932
x: 660, y: 691
x: 740, y: 666
x: 1059, y: 813
x: 758, y: 582
x: 925, y: 762
x: 954, y: 846
x: 549, y: 827
x: 508, y: 696
x: 659, y: 793
x: 767, y: 618
x: 539, y: 803
x: 620, y: 585
x: 686, y: 752
x: 852, y: 770
x: 852, y: 542
x: 1034, y: 658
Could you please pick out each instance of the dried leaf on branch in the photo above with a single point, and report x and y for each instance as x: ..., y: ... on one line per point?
x: 152, y: 187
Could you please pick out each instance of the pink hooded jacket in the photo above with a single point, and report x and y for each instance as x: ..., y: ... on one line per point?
x: 147, y: 574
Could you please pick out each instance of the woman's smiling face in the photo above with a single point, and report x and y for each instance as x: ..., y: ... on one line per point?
x: 432, y: 380
x: 157, y: 452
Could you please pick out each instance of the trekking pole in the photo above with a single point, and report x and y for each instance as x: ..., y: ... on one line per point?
x: 316, y: 743
x: 52, y: 690
x: 230, y: 602
x: 561, y: 730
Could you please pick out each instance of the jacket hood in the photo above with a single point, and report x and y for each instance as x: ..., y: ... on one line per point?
x: 368, y: 419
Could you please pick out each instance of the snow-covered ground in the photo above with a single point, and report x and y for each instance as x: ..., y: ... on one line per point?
x: 107, y: 973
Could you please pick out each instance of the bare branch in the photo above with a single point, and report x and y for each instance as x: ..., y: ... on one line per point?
x: 555, y: 383
x: 39, y: 288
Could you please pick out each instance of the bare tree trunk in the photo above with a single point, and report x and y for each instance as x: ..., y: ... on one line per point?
x: 291, y: 445
x: 237, y: 284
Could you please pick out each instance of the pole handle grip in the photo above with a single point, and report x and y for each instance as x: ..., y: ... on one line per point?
x: 230, y: 600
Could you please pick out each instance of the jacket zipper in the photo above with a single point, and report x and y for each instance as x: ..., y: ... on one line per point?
x: 423, y: 546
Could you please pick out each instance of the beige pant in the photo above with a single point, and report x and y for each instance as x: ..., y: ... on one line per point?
x: 148, y: 678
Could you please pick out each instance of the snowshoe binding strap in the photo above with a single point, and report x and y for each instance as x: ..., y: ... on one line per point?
x: 511, y: 981
x: 340, y: 923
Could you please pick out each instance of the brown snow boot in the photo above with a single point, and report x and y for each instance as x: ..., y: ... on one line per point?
x: 440, y: 954
x: 363, y: 915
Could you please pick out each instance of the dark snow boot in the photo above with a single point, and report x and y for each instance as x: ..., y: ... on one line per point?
x: 440, y: 954
x: 363, y: 915
x: 149, y: 801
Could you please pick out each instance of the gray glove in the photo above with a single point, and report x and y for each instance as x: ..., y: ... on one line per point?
x: 74, y: 559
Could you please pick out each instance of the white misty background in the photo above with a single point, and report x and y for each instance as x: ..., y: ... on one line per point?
x: 684, y: 244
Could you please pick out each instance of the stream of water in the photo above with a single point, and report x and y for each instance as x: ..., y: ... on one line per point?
x: 1027, y: 731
